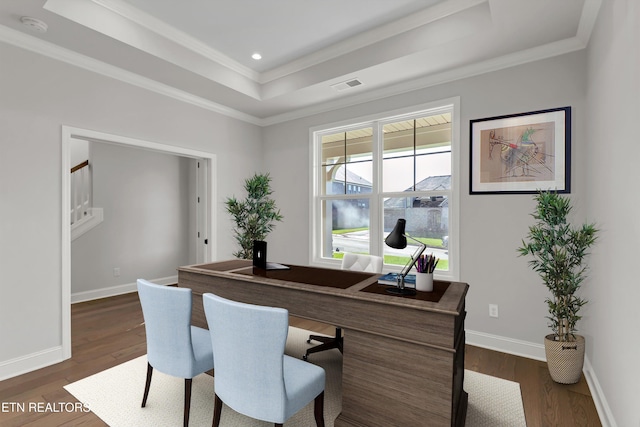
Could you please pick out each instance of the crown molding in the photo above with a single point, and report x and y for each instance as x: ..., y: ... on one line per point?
x: 586, y: 25
x: 167, y: 32
x: 506, y: 61
x: 42, y: 47
x: 50, y: 50
x: 415, y: 20
x: 588, y: 20
x: 171, y: 33
x: 375, y: 35
x: 113, y: 23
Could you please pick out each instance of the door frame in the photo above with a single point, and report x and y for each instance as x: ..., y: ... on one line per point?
x: 208, y: 170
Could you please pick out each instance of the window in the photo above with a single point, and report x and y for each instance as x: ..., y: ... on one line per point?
x: 367, y: 175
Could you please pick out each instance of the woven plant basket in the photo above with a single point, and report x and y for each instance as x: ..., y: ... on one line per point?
x: 564, y: 359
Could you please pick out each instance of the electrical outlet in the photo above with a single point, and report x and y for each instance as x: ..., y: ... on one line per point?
x: 493, y: 310
x: 116, y: 272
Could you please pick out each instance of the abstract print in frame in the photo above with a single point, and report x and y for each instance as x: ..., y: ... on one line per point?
x: 521, y: 153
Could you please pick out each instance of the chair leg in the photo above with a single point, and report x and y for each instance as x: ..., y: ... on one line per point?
x: 328, y: 343
x: 147, y: 385
x: 318, y: 410
x: 217, y: 411
x: 187, y: 401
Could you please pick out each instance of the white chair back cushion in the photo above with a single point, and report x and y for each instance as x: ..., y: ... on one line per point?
x: 361, y: 262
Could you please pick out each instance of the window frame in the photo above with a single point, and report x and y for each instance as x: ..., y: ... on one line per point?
x: 376, y: 196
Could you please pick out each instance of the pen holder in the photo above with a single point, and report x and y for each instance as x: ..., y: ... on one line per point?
x: 424, y: 282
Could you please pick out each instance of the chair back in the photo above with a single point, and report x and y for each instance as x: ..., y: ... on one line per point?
x: 167, y: 317
x: 361, y: 262
x: 248, y: 352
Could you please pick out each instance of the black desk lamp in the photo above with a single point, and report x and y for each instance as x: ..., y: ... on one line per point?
x: 397, y: 239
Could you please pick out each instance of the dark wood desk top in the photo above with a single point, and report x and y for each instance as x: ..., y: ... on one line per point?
x: 310, y: 275
x: 410, y: 350
x: 447, y: 297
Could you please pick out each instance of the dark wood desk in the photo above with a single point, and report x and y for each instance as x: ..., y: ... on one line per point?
x: 403, y: 360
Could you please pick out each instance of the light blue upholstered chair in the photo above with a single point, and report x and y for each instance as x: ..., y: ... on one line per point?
x: 174, y: 347
x: 352, y: 262
x: 253, y: 375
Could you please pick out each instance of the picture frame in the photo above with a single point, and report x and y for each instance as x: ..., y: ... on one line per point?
x: 521, y: 153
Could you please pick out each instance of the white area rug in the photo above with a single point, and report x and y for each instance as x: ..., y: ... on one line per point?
x: 115, y: 396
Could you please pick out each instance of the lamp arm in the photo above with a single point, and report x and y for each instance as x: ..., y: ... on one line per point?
x: 407, y: 268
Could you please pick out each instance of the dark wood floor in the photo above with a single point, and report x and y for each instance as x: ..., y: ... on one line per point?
x: 108, y: 332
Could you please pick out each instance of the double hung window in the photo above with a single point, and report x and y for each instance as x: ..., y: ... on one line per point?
x: 370, y: 174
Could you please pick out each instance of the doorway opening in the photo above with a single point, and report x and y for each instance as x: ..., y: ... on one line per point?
x: 204, y: 188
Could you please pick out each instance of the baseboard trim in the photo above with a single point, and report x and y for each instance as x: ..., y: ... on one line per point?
x: 116, y: 290
x: 30, y: 362
x: 536, y: 351
x: 599, y: 399
x: 506, y: 345
x: 50, y: 356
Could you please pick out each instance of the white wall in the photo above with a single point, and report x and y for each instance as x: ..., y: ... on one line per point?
x: 491, y: 226
x: 145, y: 232
x: 79, y: 150
x: 613, y: 106
x: 37, y: 96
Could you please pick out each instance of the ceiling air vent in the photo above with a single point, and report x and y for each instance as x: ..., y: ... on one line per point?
x: 346, y: 85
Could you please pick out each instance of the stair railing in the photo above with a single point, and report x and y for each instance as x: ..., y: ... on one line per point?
x: 81, y: 197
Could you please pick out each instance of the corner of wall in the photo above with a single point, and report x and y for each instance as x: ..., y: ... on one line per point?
x: 536, y: 352
x: 599, y: 398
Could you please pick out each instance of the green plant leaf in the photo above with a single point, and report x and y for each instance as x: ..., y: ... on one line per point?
x: 558, y: 253
x: 254, y: 217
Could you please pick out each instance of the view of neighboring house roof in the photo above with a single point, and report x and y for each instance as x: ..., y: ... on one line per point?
x: 352, y: 178
x: 431, y: 183
x: 442, y: 182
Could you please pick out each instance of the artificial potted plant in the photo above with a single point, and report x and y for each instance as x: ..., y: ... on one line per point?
x: 559, y: 251
x: 255, y: 216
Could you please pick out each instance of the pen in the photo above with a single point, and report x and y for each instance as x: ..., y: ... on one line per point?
x: 427, y: 264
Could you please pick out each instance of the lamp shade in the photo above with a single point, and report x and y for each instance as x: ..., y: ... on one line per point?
x: 396, y: 239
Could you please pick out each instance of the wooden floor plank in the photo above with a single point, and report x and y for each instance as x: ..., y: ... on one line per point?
x: 110, y: 331
x: 527, y: 373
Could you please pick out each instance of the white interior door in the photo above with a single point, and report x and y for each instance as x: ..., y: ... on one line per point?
x: 202, y: 223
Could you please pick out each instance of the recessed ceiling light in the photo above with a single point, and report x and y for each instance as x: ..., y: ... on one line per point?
x: 34, y: 24
x: 256, y: 56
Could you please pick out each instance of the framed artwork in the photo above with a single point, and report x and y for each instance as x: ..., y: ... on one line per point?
x: 521, y: 153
